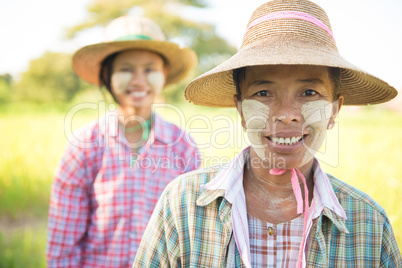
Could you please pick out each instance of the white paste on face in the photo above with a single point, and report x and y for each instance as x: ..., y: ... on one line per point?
x: 120, y: 81
x: 156, y: 81
x: 256, y: 115
x: 316, y: 117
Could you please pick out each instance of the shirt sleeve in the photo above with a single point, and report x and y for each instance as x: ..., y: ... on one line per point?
x: 159, y: 246
x: 390, y: 254
x: 69, y: 210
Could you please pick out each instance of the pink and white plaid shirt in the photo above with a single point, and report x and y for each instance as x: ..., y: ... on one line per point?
x: 103, y: 194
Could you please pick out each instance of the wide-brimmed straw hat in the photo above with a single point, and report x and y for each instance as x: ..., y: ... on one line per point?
x: 288, y: 32
x: 129, y: 32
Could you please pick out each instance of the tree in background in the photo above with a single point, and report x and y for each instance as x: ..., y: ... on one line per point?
x: 202, y: 37
x: 49, y: 78
x: 6, y: 81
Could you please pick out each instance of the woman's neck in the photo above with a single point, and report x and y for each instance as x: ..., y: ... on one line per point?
x: 271, y: 197
x: 262, y: 175
x: 133, y: 116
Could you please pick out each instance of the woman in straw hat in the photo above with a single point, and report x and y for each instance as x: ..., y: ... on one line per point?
x: 272, y: 205
x: 115, y: 168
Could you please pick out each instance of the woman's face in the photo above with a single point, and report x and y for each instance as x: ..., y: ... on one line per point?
x: 286, y: 110
x: 137, y: 78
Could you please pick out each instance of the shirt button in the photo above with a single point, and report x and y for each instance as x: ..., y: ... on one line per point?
x: 271, y: 231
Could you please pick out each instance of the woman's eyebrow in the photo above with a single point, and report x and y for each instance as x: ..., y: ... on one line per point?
x: 311, y: 80
x: 124, y: 63
x: 268, y: 82
x: 148, y: 63
x: 260, y: 82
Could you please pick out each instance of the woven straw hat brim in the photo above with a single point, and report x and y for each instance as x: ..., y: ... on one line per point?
x: 86, y: 61
x: 216, y: 88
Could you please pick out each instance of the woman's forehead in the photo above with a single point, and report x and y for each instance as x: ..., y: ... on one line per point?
x: 138, y: 56
x: 284, y: 75
x: 281, y: 72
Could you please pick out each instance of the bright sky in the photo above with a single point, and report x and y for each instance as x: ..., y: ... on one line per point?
x: 368, y: 32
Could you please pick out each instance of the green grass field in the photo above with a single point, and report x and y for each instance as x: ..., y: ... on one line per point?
x: 366, y: 151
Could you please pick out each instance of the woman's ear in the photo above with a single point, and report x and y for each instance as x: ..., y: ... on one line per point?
x: 336, y: 107
x: 165, y: 71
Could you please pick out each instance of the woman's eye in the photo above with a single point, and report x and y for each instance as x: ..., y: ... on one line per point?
x: 125, y: 70
x: 262, y: 93
x: 149, y: 70
x: 309, y: 92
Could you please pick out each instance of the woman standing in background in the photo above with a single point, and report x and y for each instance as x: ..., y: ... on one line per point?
x: 115, y: 168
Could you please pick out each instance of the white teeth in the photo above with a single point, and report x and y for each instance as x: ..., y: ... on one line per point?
x: 286, y: 141
x: 139, y: 94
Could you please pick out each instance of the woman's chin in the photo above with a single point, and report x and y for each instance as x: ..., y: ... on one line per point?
x: 269, y: 160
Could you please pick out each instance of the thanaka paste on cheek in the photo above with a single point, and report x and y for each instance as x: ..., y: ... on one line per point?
x: 316, y: 117
x: 256, y: 116
x: 120, y: 81
x: 156, y: 81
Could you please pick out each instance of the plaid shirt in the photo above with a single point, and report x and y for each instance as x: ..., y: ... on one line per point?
x: 230, y: 180
x: 275, y: 245
x: 192, y: 226
x: 103, y: 194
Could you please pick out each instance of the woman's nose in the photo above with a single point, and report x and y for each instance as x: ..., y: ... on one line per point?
x: 286, y: 112
x: 138, y: 79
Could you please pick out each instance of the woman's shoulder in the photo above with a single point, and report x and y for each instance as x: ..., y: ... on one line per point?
x: 172, y: 132
x: 353, y: 199
x: 90, y: 132
x: 190, y: 184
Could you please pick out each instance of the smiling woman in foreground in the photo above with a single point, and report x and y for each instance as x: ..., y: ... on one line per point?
x: 273, y: 205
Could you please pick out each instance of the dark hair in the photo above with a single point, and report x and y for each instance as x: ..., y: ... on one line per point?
x: 237, y: 73
x: 105, y: 73
x: 334, y: 73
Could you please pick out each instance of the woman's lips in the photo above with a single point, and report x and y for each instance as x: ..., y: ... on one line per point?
x: 137, y: 95
x: 286, y: 144
x: 286, y: 140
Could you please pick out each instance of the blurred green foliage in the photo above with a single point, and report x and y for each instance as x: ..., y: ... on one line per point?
x: 23, y: 247
x: 5, y: 88
x: 49, y: 78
